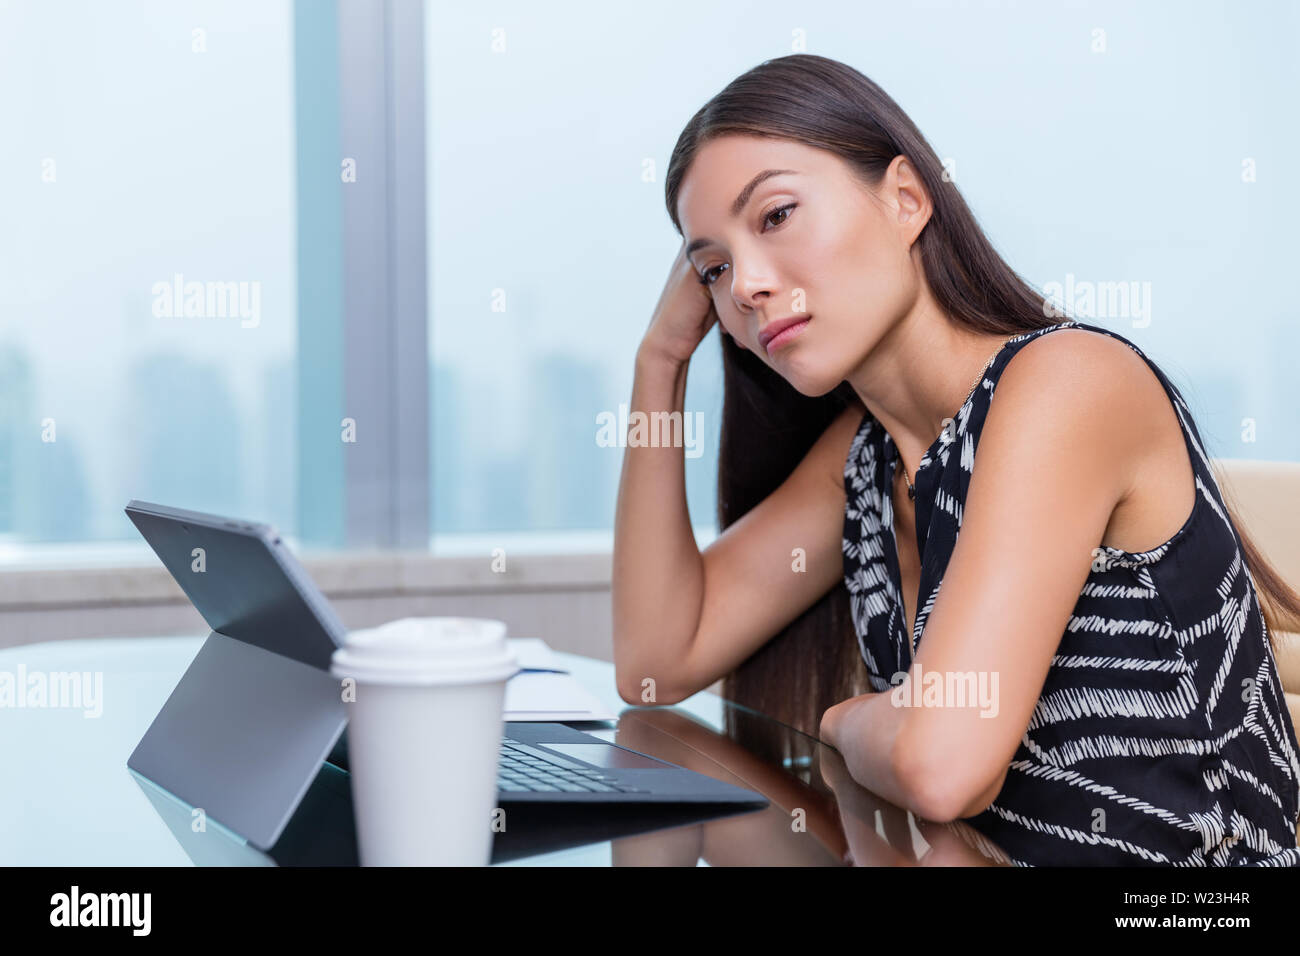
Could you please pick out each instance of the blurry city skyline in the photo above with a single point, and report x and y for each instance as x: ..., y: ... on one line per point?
x: 180, y: 435
x: 1148, y: 154
x: 205, y: 450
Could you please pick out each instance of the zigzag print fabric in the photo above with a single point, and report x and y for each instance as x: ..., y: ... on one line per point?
x: 1143, y: 748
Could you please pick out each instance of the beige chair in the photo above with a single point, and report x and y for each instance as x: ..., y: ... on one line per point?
x: 1265, y: 496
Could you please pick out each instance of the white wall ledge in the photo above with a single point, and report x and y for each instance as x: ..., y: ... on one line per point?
x: 127, y: 573
x: 345, y: 575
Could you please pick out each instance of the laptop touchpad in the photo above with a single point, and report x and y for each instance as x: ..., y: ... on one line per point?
x: 605, y: 755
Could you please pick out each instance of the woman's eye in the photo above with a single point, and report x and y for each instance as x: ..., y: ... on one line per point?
x: 708, y: 277
x: 786, y: 208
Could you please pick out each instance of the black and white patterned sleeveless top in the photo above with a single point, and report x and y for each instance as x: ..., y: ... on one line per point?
x: 1146, y: 746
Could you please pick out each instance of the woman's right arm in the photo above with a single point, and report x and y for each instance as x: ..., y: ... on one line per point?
x: 682, y: 618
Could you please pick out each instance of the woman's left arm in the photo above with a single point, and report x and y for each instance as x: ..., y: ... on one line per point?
x: 1057, y: 452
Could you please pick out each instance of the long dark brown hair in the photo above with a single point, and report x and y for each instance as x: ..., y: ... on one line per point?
x: 768, y: 426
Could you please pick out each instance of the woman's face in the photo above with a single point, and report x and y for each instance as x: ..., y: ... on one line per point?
x: 811, y: 242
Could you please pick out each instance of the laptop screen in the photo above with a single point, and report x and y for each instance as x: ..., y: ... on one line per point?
x: 242, y: 581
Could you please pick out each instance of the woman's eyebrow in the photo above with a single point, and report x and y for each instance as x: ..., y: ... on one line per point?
x: 741, y: 200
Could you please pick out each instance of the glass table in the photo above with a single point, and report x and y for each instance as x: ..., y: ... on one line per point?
x: 70, y: 799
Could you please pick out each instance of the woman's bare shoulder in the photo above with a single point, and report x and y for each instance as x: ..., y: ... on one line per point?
x: 1136, y: 426
x: 1096, y: 368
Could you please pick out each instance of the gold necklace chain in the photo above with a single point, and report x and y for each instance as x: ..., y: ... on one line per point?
x: 911, y: 489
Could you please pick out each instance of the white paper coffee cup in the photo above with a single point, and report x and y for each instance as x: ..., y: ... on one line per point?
x: 424, y: 737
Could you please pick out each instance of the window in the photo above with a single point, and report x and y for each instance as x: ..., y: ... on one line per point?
x: 195, y: 298
x: 148, y: 294
x: 548, y: 245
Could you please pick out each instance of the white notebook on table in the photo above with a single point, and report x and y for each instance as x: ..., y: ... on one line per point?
x: 538, y: 692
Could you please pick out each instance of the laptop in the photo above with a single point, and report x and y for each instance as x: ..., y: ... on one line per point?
x: 257, y: 713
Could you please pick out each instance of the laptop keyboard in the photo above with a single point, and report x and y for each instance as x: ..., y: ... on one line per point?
x: 526, y: 768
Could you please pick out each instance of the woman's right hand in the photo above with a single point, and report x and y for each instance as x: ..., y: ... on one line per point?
x: 683, y: 315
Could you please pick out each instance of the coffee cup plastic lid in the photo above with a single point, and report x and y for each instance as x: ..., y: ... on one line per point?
x: 427, y: 650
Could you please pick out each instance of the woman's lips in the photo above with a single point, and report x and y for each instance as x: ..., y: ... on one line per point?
x: 787, y: 334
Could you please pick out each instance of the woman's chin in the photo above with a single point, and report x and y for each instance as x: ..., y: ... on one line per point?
x: 812, y: 382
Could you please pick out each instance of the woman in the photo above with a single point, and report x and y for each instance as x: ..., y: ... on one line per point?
x: 1106, y: 691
